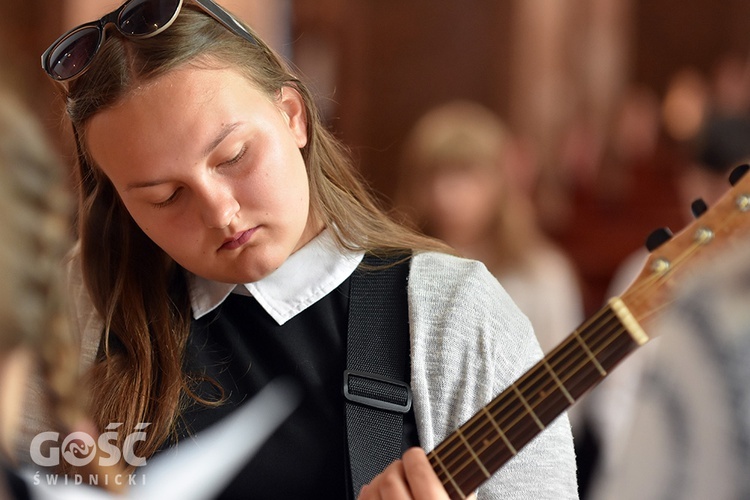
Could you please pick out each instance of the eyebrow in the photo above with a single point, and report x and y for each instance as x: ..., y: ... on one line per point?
x: 223, y: 133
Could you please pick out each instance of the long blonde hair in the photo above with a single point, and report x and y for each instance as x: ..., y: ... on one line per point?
x: 138, y: 290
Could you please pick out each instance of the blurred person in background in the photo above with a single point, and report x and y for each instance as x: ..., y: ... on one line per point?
x: 722, y: 143
x: 689, y: 430
x: 628, y: 186
x: 36, y: 349
x: 730, y: 87
x: 468, y: 181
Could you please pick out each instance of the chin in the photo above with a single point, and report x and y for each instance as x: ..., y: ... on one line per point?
x: 254, y: 275
x: 258, y: 268
x: 252, y: 264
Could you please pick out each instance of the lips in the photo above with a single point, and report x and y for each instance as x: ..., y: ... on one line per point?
x: 237, y: 240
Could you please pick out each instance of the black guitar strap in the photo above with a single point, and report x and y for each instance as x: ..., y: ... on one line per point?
x: 376, y: 385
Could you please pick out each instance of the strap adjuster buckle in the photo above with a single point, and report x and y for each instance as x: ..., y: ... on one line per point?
x: 377, y: 391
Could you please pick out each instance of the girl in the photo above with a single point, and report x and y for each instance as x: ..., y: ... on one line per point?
x: 465, y: 181
x: 219, y: 227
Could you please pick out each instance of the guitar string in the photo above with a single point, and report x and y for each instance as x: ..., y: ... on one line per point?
x: 723, y: 229
x: 565, y: 344
x: 491, y: 435
x: 692, y: 249
x: 570, y: 340
x: 644, y: 283
x: 585, y: 326
x: 546, y: 389
x: 586, y: 360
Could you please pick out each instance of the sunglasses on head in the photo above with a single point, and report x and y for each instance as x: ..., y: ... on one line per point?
x: 71, y: 54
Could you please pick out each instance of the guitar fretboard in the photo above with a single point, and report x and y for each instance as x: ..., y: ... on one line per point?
x: 482, y: 445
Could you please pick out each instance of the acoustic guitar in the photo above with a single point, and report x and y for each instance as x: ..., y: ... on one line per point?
x: 483, y: 444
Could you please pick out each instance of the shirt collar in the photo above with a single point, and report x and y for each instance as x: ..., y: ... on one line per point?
x: 308, y: 275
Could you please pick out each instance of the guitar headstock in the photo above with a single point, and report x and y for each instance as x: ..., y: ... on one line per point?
x: 672, y: 258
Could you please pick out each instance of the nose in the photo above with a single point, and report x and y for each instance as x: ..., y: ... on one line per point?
x: 218, y: 206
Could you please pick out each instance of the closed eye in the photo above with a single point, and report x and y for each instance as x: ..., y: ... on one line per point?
x: 237, y: 158
x: 169, y: 200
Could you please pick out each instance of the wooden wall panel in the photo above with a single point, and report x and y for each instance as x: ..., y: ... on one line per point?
x: 671, y: 34
x: 399, y: 58
x: 26, y: 29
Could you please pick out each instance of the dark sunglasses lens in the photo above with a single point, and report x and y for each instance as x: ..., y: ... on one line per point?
x: 143, y: 17
x: 74, y: 53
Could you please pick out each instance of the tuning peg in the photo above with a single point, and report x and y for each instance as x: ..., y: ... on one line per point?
x: 698, y: 207
x: 657, y: 238
x: 738, y: 173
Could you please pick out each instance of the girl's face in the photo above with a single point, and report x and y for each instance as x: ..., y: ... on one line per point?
x: 210, y: 168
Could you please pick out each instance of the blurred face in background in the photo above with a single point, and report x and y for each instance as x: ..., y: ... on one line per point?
x: 461, y: 200
x: 457, y: 169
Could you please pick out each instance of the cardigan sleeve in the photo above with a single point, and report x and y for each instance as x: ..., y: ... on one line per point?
x: 469, y: 342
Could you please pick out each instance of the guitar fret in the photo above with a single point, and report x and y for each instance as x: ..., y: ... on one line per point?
x: 529, y: 409
x: 500, y: 431
x: 617, y: 349
x: 559, y: 382
x: 450, y: 476
x: 473, y: 454
x: 582, y: 360
x: 531, y: 403
x: 590, y: 354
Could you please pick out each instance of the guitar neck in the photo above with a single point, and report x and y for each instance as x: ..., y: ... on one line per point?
x: 470, y: 455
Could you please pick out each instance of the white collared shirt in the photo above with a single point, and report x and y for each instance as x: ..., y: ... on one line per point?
x: 308, y: 275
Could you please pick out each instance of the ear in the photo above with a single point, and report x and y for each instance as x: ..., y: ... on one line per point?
x: 292, y: 106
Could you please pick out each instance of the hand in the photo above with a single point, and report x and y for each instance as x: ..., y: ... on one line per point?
x: 412, y: 477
